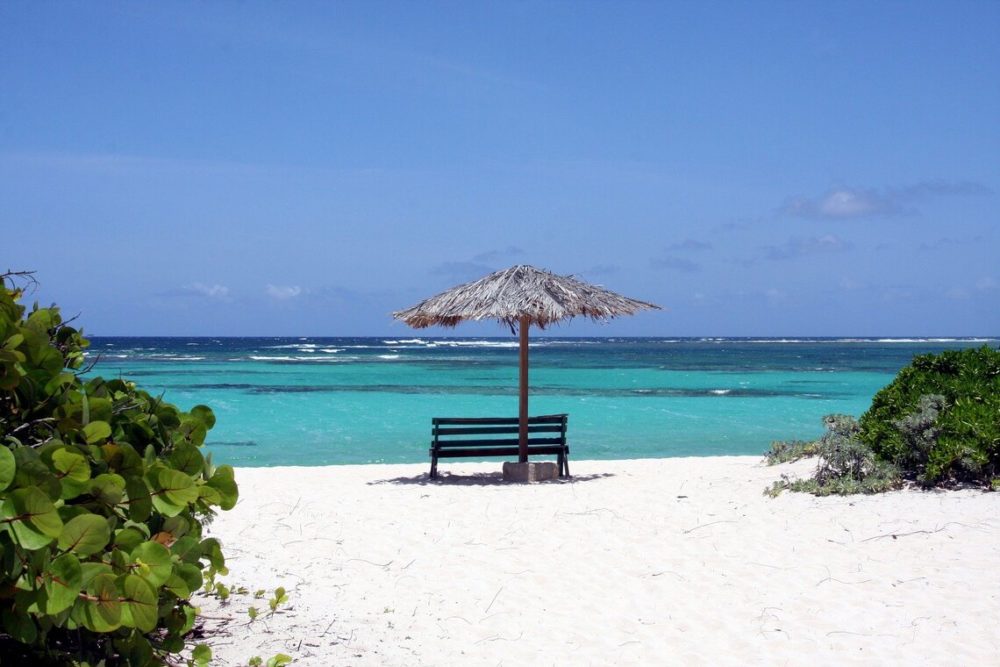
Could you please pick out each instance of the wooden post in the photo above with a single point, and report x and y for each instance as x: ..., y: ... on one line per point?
x: 522, y: 413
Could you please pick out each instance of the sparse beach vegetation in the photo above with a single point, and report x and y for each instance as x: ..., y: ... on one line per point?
x: 936, y: 424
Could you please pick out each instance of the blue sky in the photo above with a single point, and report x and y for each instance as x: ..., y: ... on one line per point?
x: 769, y: 168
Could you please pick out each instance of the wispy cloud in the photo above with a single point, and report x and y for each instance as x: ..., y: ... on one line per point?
x: 675, y: 264
x: 987, y: 284
x: 215, y: 291
x: 947, y: 242
x: 497, y: 255
x: 461, y: 271
x: 601, y: 270
x: 800, y: 247
x: 847, y: 203
x: 282, y: 293
x: 689, y: 245
x: 841, y: 204
x: 479, y: 266
x: 672, y: 260
x: 198, y: 291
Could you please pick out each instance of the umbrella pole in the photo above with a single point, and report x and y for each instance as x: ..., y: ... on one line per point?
x: 522, y: 413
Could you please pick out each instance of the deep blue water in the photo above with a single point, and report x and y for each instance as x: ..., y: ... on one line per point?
x: 317, y: 401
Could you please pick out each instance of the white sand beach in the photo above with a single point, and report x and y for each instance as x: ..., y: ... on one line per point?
x: 668, y: 561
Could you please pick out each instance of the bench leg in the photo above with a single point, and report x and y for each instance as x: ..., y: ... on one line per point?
x: 565, y: 464
x: 434, y: 467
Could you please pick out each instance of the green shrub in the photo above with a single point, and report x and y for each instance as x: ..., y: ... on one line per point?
x: 103, y: 495
x: 786, y: 451
x: 939, y: 419
x: 846, y: 464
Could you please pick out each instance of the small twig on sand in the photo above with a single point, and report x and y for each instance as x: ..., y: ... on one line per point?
x: 705, y: 525
x: 841, y: 581
x: 858, y: 634
x: 493, y: 600
x: 496, y: 638
x: 917, y: 532
x: 382, y: 565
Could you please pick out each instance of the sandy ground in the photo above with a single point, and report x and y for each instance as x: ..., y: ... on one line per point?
x: 669, y: 561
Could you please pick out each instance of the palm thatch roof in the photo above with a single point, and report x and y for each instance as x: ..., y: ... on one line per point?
x: 520, y: 292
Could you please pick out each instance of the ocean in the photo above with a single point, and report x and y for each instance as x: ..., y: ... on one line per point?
x: 321, y: 401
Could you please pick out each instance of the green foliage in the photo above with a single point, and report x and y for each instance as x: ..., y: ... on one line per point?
x: 103, y: 495
x: 786, y: 451
x: 279, y: 660
x: 939, y: 419
x: 846, y: 465
x: 201, y: 655
x: 280, y: 598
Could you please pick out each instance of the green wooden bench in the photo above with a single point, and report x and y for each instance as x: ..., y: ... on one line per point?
x: 478, y: 437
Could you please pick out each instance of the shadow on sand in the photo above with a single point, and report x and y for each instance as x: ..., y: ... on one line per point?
x: 481, y: 479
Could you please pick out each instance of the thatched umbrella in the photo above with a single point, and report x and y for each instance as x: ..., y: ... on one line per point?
x: 519, y: 297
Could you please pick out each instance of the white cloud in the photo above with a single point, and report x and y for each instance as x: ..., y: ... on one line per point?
x: 675, y: 264
x: 282, y: 293
x: 799, y: 247
x: 216, y: 291
x: 841, y: 204
x: 844, y: 203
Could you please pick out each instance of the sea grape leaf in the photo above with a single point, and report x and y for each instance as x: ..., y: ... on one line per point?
x: 108, y: 488
x: 8, y: 467
x: 187, y: 548
x: 176, y: 585
x: 32, y: 517
x: 153, y: 562
x: 172, y: 490
x: 96, y: 431
x: 63, y: 583
x: 128, y: 539
x: 177, y: 526
x: 209, y: 495
x: 32, y: 471
x: 140, y: 504
x: 139, y: 603
x: 135, y: 650
x: 201, y: 655
x: 102, y: 612
x: 224, y: 482
x: 20, y: 626
x: 212, y: 550
x: 204, y: 414
x: 192, y: 431
x: 101, y: 409
x: 73, y: 471
x: 92, y: 570
x: 191, y: 574
x: 85, y: 535
x: 187, y: 458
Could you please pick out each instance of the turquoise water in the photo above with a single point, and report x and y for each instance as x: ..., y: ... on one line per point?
x: 318, y: 401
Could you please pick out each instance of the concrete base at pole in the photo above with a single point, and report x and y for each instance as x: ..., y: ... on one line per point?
x: 538, y: 471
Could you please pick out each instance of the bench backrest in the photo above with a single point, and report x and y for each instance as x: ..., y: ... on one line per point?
x: 453, y: 432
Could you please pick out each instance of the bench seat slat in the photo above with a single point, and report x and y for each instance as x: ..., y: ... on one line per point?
x: 496, y: 451
x: 506, y: 442
x: 542, y: 419
x: 488, y: 430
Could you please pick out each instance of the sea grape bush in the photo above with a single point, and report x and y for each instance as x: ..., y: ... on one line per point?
x: 104, y: 492
x: 939, y: 419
